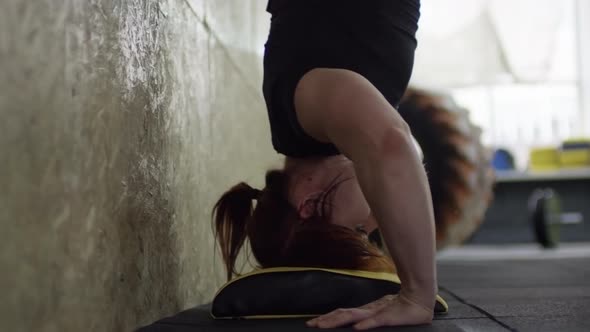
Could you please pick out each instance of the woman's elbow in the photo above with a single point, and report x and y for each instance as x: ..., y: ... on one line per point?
x: 395, y: 142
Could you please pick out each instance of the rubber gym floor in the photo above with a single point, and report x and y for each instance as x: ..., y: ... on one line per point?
x: 507, y: 288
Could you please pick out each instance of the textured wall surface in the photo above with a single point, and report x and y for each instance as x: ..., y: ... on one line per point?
x: 121, y: 123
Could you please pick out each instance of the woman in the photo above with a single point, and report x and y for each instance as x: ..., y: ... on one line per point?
x: 335, y: 71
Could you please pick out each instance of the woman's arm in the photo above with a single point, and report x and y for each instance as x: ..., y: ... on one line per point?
x: 340, y: 106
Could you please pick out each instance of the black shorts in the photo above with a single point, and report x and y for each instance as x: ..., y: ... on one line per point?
x: 374, y: 38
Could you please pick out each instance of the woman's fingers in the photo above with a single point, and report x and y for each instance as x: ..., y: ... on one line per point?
x: 399, y: 311
x: 390, y: 310
x: 370, y: 323
x: 341, y: 317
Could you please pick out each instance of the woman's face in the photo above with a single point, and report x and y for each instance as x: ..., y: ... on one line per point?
x: 344, y: 200
x: 349, y: 207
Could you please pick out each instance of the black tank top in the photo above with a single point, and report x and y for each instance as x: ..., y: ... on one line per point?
x: 403, y: 14
x: 374, y: 38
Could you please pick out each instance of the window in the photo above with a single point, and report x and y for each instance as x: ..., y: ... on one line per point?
x: 513, y: 64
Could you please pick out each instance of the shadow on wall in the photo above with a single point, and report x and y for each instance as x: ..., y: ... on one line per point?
x: 146, y: 280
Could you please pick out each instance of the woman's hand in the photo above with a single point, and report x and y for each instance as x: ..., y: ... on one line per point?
x: 390, y: 310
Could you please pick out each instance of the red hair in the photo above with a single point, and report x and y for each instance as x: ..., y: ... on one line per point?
x: 279, y: 237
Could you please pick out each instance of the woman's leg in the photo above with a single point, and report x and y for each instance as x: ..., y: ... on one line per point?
x: 342, y: 107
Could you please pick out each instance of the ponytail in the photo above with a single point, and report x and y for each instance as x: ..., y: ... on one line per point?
x: 231, y: 214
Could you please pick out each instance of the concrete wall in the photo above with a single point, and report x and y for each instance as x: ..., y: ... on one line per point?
x: 121, y: 123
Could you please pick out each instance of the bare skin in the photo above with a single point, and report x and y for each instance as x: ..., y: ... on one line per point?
x: 309, y: 178
x: 342, y: 107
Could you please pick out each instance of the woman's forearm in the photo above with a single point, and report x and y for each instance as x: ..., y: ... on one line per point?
x: 394, y: 182
x: 342, y: 107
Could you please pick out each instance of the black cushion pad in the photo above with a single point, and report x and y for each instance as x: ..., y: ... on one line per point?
x: 300, y: 292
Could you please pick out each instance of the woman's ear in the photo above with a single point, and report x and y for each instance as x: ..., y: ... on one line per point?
x: 308, y: 206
